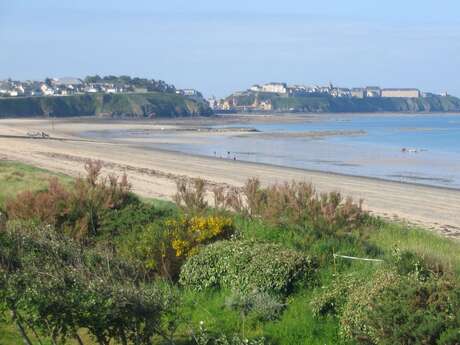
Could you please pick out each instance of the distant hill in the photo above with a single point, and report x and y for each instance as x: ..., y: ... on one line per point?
x: 322, y: 104
x: 151, y: 104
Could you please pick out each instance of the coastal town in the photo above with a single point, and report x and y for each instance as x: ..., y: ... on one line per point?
x: 262, y: 100
x: 88, y: 85
x: 258, y: 98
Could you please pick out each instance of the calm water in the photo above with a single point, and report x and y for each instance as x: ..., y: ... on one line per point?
x: 378, y: 153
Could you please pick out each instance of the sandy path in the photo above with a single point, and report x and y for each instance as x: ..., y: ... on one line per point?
x: 153, y: 174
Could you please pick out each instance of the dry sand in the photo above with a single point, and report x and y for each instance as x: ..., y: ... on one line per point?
x: 153, y: 173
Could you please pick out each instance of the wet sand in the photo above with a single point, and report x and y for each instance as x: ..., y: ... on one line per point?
x: 153, y: 172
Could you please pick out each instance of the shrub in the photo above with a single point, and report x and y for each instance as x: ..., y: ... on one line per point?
x: 77, y: 210
x: 53, y: 286
x: 258, y: 305
x: 245, y: 266
x: 411, y: 309
x: 191, y: 195
x: 331, y: 299
x: 47, y: 206
x: 190, y: 232
x: 130, y: 218
x: 150, y: 249
x: 162, y: 247
x: 295, y: 203
x: 406, y: 262
x: 415, y: 311
x: 353, y: 321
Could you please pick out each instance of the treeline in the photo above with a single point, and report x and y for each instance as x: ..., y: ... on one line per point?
x: 124, y: 80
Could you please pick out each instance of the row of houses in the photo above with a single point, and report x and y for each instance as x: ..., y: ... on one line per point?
x: 370, y: 91
x: 55, y: 87
x: 71, y: 86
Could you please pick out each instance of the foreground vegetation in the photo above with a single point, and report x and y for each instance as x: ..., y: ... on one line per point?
x: 87, y: 262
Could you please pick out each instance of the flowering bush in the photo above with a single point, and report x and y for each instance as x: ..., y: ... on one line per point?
x: 353, y: 321
x: 190, y: 232
x: 161, y: 248
x: 332, y: 299
x: 245, y: 266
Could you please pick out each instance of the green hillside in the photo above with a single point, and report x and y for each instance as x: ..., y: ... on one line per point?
x: 318, y: 104
x: 152, y: 104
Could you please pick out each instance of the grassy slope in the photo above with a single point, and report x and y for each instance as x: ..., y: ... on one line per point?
x: 135, y: 104
x: 297, y: 324
x: 17, y: 177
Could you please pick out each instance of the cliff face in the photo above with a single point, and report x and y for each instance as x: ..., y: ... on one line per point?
x: 152, y: 104
x: 319, y: 104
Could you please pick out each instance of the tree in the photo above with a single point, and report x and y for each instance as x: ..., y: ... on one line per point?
x: 53, y: 286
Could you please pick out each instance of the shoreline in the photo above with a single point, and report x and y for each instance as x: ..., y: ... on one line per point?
x: 302, y: 170
x: 154, y: 172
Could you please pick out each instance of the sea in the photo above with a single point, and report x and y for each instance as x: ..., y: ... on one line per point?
x: 420, y: 149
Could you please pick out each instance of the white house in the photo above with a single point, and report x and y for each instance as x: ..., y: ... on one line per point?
x: 357, y: 92
x: 275, y: 88
x: 373, y: 91
x: 46, y: 90
x: 401, y: 93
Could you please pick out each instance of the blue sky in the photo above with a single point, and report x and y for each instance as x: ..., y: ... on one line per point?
x: 222, y: 46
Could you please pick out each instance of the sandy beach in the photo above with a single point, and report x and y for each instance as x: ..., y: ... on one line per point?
x: 154, y: 172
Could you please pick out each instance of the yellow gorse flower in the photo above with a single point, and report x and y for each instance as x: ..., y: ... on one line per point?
x: 188, y: 233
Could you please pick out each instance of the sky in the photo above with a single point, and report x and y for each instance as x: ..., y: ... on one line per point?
x: 219, y: 46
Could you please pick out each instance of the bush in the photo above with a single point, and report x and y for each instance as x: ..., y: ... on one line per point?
x: 405, y: 262
x: 190, y: 232
x: 395, y: 309
x: 77, y: 210
x: 191, y: 195
x: 353, y: 321
x: 245, y: 266
x: 331, y: 299
x: 130, y: 218
x: 161, y: 248
x: 53, y: 286
x: 257, y: 305
x: 150, y: 249
x: 414, y: 311
x: 295, y: 203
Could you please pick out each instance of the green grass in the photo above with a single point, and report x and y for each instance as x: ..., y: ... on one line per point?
x: 17, y: 177
x: 9, y: 335
x: 427, y: 244
x: 297, y: 325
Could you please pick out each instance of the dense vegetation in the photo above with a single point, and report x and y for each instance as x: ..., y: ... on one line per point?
x: 151, y: 104
x: 318, y: 103
x: 134, y: 82
x: 88, y: 262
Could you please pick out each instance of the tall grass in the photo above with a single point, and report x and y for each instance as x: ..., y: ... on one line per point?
x: 427, y: 244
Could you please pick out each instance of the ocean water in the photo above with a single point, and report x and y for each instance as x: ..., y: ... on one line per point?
x: 432, y: 143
